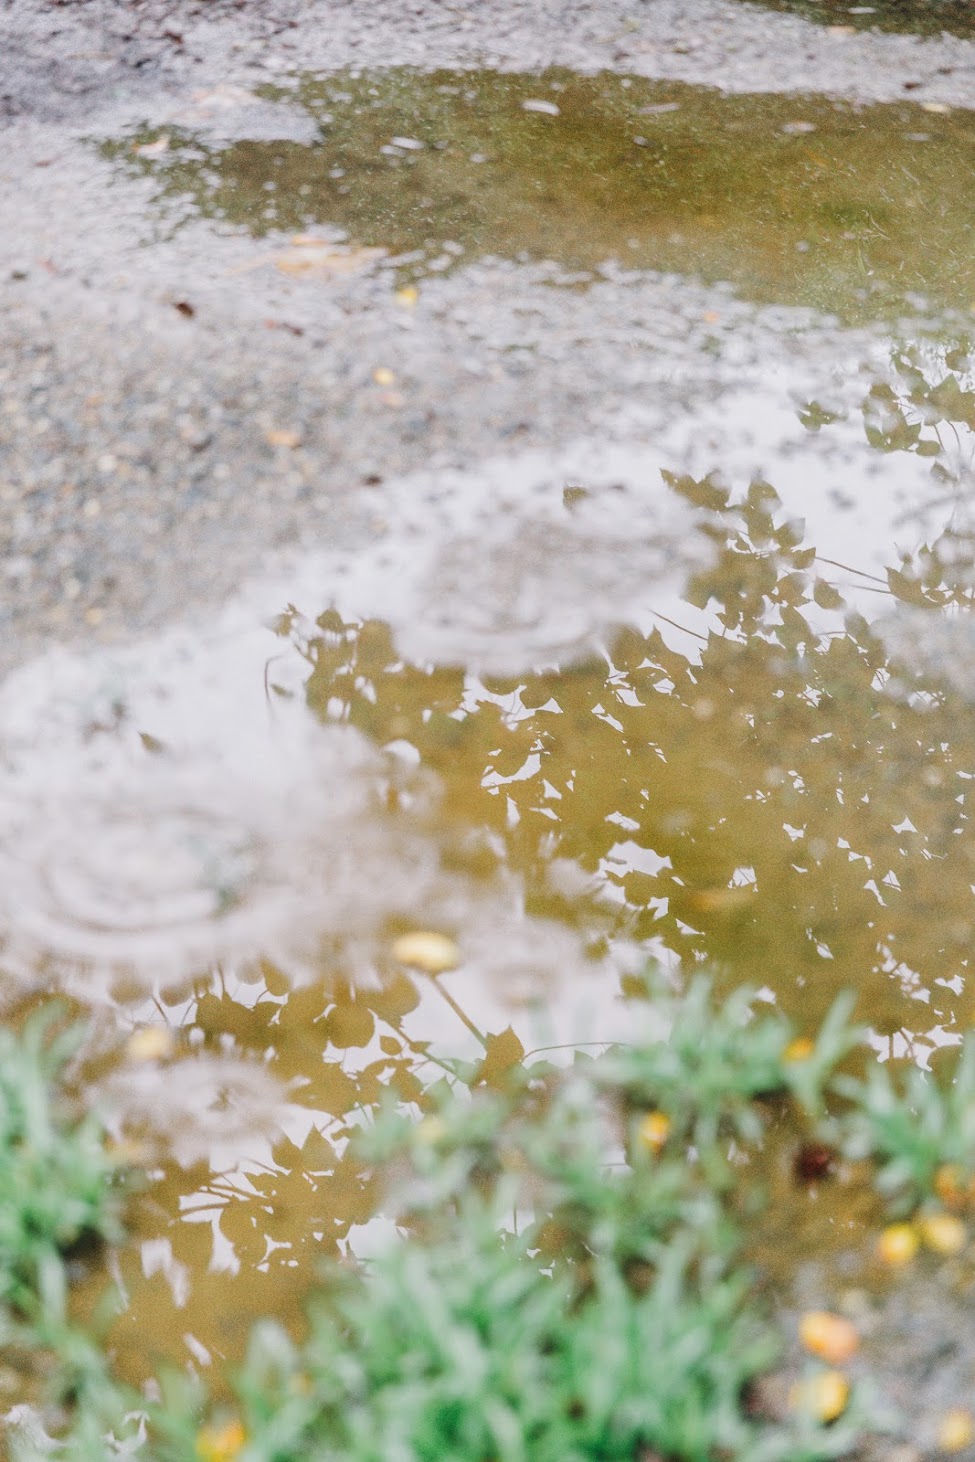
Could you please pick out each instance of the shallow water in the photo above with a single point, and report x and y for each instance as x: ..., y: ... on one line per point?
x: 697, y: 691
x: 797, y: 199
x: 907, y: 17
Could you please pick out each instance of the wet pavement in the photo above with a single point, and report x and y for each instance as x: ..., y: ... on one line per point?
x: 535, y: 508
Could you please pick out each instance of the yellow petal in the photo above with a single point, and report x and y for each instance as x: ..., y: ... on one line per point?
x: 425, y: 950
x: 831, y: 1337
x: 956, y: 1430
x: 897, y: 1244
x: 823, y: 1396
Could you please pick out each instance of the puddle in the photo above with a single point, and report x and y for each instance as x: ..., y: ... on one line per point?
x: 797, y: 200
x: 764, y: 768
x: 698, y: 690
x: 907, y: 17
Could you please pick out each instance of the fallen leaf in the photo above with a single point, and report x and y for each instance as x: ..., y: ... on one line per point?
x: 220, y: 1443
x: 832, y: 1338
x: 943, y: 1233
x: 897, y: 1245
x: 956, y: 1430
x: 799, y: 1050
x: 823, y: 1397
x: 653, y: 1131
x: 184, y: 308
x: 151, y: 149
x: 281, y: 437
x: 407, y: 296
x: 313, y: 256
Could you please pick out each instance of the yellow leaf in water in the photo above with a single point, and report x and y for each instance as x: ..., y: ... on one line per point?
x: 799, y: 1050
x: 151, y: 1044
x: 897, y: 1244
x: 823, y: 1396
x: 956, y: 1430
x: 653, y: 1131
x: 281, y: 437
x: 407, y: 296
x: 428, y: 951
x: 943, y: 1233
x: 220, y: 1443
x: 383, y: 376
x: 831, y: 1337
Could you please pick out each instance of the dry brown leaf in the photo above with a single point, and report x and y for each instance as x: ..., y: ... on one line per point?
x: 314, y: 257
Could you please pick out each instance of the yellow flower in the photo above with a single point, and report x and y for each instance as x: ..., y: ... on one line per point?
x: 221, y: 1443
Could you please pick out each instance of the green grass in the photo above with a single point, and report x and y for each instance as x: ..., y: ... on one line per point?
x: 568, y: 1285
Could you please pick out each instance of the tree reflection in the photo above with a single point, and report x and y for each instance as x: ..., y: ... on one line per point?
x: 779, y: 797
x: 764, y: 803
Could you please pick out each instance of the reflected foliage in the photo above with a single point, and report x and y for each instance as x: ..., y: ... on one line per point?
x: 761, y: 801
x: 769, y: 792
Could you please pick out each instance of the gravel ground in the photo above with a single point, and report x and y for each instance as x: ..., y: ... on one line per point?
x: 138, y: 475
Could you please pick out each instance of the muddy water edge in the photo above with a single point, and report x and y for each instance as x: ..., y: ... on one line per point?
x: 757, y: 759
